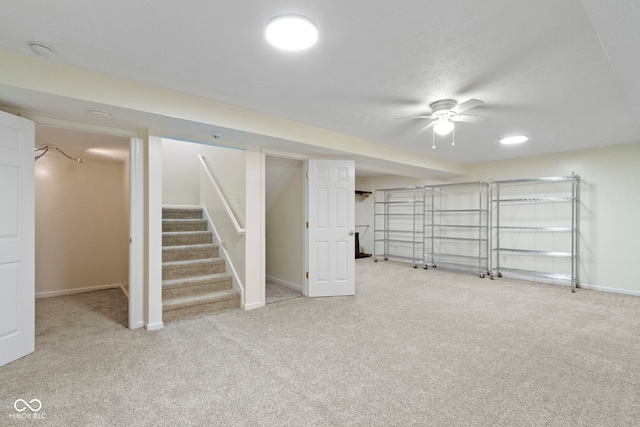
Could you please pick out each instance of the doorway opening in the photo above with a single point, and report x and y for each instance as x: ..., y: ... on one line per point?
x: 81, y: 213
x: 284, y: 228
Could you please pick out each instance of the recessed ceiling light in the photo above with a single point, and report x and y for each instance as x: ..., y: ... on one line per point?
x: 41, y: 49
x: 517, y: 139
x: 291, y: 32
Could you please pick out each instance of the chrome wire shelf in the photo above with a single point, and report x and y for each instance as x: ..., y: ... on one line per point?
x: 398, y: 224
x: 456, y: 217
x: 507, y: 225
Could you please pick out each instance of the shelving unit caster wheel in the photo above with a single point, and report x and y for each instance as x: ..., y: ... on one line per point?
x: 375, y: 260
x: 481, y: 275
x: 424, y: 266
x: 415, y: 266
x: 499, y: 274
x: 386, y: 259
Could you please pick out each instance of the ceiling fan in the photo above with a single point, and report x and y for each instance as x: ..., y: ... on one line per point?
x: 447, y: 111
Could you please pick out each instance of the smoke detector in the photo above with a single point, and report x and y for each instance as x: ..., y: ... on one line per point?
x: 99, y: 113
x: 41, y: 49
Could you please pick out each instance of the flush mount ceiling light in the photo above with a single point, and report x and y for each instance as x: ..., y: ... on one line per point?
x: 291, y: 32
x: 516, y: 139
x: 41, y: 49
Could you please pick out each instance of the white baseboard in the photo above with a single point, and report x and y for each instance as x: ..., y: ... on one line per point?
x: 63, y: 292
x: 253, y: 306
x: 140, y: 324
x: 606, y: 289
x: 154, y: 326
x: 289, y: 285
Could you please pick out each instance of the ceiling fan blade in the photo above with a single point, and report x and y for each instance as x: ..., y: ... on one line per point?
x: 429, y: 126
x: 467, y: 105
x: 470, y: 119
x: 413, y: 117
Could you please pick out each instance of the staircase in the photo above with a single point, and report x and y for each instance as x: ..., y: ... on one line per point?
x: 194, y: 281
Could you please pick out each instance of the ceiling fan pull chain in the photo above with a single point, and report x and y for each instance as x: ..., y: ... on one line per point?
x: 453, y: 136
x: 433, y: 135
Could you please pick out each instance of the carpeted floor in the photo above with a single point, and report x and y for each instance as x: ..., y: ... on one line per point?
x: 275, y: 292
x: 413, y: 347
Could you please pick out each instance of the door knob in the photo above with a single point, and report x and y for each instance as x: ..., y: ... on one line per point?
x: 350, y: 232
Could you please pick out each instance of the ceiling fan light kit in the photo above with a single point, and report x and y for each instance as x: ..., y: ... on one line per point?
x: 447, y: 111
x: 443, y: 126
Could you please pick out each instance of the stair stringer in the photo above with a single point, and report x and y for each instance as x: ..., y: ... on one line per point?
x: 236, y: 282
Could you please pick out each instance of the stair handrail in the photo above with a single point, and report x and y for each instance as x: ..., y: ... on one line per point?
x: 232, y: 216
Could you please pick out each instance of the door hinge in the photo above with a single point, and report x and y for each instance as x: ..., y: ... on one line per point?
x: 307, y: 224
x: 307, y: 274
x: 307, y: 174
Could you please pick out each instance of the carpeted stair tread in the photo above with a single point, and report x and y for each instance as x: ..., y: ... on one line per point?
x: 181, y: 213
x: 190, y: 233
x: 184, y: 225
x: 178, y: 238
x: 189, y: 252
x: 217, y: 277
x: 193, y: 301
x: 192, y: 262
x: 197, y: 267
x: 196, y: 285
x: 185, y: 247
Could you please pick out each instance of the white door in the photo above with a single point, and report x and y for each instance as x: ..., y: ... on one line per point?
x: 331, y: 216
x: 17, y: 238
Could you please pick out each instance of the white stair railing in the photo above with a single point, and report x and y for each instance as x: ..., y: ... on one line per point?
x: 223, y: 200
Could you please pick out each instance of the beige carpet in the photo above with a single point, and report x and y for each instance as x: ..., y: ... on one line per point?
x: 413, y: 347
x: 275, y: 292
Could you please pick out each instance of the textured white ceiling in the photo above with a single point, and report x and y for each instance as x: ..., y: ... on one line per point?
x: 563, y: 72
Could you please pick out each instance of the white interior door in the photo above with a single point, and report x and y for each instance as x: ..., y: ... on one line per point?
x: 330, y: 237
x: 17, y: 238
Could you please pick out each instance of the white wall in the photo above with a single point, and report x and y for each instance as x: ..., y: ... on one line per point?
x: 181, y: 173
x: 609, y: 229
x: 81, y: 238
x: 284, y: 222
